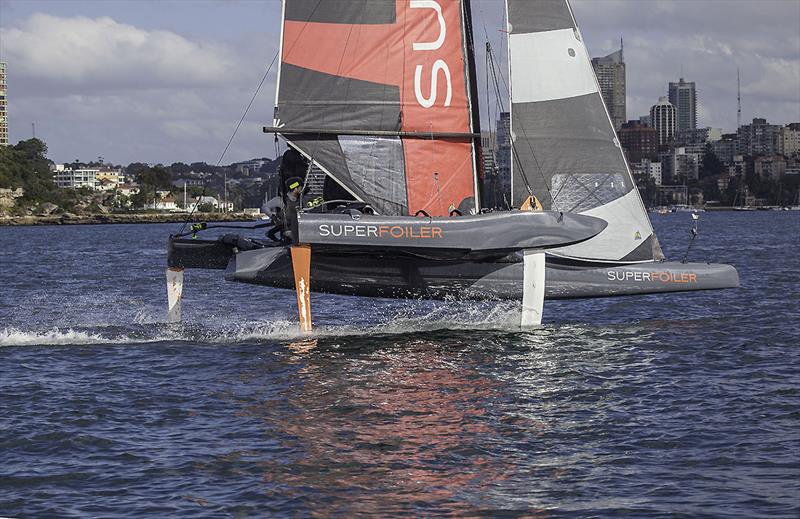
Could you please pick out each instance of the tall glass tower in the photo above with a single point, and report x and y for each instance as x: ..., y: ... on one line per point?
x: 684, y: 96
x: 662, y: 117
x: 610, y: 72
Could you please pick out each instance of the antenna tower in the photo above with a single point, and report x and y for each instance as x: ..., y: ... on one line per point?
x: 738, y: 101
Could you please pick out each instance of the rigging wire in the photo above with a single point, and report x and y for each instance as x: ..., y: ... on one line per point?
x: 233, y: 135
x: 492, y: 66
x: 246, y: 110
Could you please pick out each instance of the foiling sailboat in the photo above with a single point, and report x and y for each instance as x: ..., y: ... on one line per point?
x: 381, y: 96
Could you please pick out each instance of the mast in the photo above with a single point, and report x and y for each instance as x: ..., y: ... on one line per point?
x: 472, y: 82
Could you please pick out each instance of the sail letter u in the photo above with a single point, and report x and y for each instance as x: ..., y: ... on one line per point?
x: 439, y: 64
x: 428, y: 102
x: 431, y: 4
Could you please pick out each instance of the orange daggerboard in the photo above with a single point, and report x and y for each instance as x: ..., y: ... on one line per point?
x: 301, y: 265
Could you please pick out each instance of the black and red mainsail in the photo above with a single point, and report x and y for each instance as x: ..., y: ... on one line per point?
x: 377, y: 94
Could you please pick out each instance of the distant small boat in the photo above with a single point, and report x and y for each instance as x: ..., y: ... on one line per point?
x: 683, y: 208
x: 796, y: 206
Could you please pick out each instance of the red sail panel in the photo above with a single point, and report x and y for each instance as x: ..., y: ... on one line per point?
x: 434, y: 95
x: 422, y: 54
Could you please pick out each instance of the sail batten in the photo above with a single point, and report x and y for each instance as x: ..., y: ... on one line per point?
x: 381, y: 70
x: 565, y: 146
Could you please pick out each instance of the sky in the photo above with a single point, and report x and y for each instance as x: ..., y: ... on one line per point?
x: 168, y: 81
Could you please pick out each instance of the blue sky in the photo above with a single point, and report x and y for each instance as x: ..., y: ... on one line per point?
x: 167, y: 81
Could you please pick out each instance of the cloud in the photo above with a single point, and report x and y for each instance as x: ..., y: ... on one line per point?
x: 80, y: 54
x: 705, y: 42
x: 95, y: 86
x: 101, y: 85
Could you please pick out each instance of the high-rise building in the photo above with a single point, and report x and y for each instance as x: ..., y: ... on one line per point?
x: 679, y: 166
x: 610, y: 72
x: 771, y: 167
x: 502, y: 154
x: 698, y: 136
x: 3, y: 106
x: 491, y: 188
x: 791, y: 139
x: 662, y: 117
x: 638, y: 140
x: 647, y: 168
x: 760, y: 138
x: 726, y: 148
x: 684, y: 97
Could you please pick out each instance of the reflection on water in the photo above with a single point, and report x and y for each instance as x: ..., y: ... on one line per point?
x: 399, y: 425
x: 414, y: 424
x: 649, y: 406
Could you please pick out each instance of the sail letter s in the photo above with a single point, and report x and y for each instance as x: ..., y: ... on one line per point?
x: 428, y: 102
x: 431, y: 4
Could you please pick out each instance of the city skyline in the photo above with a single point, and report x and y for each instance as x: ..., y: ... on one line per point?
x: 166, y: 82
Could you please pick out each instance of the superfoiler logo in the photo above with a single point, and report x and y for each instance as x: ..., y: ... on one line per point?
x: 381, y: 231
x: 439, y: 65
x: 653, y: 277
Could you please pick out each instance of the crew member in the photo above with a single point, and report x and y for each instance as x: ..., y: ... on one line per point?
x: 291, y: 205
x: 293, y: 164
x: 285, y: 219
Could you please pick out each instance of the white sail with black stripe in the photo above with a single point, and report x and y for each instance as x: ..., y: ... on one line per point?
x: 565, y: 149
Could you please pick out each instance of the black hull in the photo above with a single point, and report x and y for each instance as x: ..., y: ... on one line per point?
x: 409, y: 276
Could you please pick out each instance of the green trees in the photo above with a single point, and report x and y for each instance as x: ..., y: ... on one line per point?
x: 155, y: 177
x: 711, y: 165
x: 25, y: 165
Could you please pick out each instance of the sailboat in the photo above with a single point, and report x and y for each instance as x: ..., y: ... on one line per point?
x: 381, y: 96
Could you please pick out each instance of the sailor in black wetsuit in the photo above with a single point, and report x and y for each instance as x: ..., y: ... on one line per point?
x: 293, y: 164
x: 285, y: 220
x: 293, y: 167
x: 291, y: 205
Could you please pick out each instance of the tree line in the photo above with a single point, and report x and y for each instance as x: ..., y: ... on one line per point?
x: 25, y: 165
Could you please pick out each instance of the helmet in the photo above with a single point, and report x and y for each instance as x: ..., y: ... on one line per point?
x: 294, y: 183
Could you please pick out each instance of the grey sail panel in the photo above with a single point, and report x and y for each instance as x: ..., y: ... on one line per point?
x: 313, y: 99
x: 334, y: 155
x: 342, y: 11
x: 571, y: 149
x: 373, y: 165
x: 564, y: 144
x: 538, y: 15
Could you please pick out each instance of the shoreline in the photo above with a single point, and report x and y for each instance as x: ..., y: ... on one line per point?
x: 133, y: 218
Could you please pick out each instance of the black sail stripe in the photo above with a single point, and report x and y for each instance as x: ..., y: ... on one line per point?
x: 342, y: 11
x: 538, y: 15
x: 312, y: 99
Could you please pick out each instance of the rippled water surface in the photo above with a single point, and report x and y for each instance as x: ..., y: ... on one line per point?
x: 684, y: 404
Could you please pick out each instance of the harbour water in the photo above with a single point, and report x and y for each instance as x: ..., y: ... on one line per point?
x: 672, y: 405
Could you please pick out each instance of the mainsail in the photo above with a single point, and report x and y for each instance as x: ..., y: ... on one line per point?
x: 565, y: 150
x: 376, y: 93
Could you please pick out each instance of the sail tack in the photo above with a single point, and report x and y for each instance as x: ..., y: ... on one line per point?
x: 565, y: 148
x: 367, y: 88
